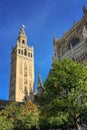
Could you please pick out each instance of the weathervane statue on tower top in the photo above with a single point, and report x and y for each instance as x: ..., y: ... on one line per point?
x: 23, y: 26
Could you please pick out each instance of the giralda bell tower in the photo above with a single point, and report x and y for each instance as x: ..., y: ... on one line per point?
x: 22, y: 70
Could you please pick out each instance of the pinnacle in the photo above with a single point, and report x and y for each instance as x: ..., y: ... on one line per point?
x: 22, y: 32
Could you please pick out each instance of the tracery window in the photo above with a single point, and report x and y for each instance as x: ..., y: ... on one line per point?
x: 74, y: 42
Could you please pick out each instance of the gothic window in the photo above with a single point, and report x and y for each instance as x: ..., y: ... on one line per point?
x: 74, y: 42
x: 22, y: 52
x: 19, y: 51
x: 28, y: 54
x: 25, y: 52
x: 25, y: 82
x: 23, y: 41
x: 31, y: 55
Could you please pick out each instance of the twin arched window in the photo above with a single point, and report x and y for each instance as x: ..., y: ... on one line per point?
x: 25, y: 52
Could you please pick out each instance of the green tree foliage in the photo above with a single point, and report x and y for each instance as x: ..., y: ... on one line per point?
x: 8, y: 116
x: 19, y: 116
x: 65, y: 98
x: 5, y: 124
x: 28, y: 116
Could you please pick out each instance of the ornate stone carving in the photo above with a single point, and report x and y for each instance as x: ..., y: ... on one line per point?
x: 84, y: 32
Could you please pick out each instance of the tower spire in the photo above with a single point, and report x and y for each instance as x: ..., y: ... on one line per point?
x: 54, y: 38
x: 22, y: 32
x: 39, y: 80
x: 84, y: 10
x: 40, y: 85
x: 22, y: 38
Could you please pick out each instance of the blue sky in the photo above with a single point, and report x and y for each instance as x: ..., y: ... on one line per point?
x: 42, y: 19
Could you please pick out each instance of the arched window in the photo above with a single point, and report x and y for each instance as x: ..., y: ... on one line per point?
x: 22, y: 52
x: 31, y: 55
x: 25, y: 52
x: 74, y: 42
x: 19, y: 51
x: 23, y: 41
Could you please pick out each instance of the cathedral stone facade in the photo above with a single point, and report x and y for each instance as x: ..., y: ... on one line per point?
x: 22, y: 70
x: 73, y: 44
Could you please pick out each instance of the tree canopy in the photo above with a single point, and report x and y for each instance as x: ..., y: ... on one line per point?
x: 62, y: 105
x: 65, y: 98
x: 19, y: 116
